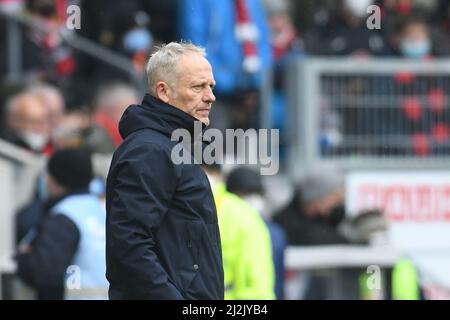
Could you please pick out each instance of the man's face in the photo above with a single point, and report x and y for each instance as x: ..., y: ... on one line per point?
x: 323, y: 206
x: 193, y: 90
x: 30, y: 116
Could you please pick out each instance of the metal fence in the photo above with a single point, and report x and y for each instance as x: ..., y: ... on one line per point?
x: 369, y: 114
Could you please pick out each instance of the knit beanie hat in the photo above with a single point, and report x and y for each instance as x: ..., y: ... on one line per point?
x: 320, y: 182
x: 244, y: 180
x: 71, y: 168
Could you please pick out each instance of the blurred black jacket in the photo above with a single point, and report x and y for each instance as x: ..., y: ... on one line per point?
x: 53, y: 243
x: 303, y: 230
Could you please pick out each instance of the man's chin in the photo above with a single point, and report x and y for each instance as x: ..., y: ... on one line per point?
x: 205, y: 121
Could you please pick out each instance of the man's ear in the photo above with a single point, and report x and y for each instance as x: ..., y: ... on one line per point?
x: 162, y: 91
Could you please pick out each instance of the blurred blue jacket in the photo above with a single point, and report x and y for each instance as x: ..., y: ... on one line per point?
x: 211, y: 24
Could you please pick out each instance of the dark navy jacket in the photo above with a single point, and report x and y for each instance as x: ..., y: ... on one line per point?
x: 162, y: 233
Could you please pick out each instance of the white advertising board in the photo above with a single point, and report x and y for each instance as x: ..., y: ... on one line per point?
x: 417, y: 208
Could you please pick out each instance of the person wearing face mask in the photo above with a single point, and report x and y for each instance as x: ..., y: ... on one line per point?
x: 246, y: 243
x: 413, y: 38
x: 247, y: 184
x: 316, y: 210
x: 137, y: 40
x: 53, y: 100
x: 70, y: 232
x: 341, y: 30
x: 27, y: 123
x: 313, y: 218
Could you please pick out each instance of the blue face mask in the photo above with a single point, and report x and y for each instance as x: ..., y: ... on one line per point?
x: 416, y: 50
x: 137, y: 40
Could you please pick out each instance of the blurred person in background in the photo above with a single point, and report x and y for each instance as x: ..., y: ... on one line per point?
x: 110, y: 103
x: 246, y: 244
x: 53, y: 99
x: 46, y: 56
x: 316, y: 210
x: 431, y: 13
x: 341, y: 30
x: 419, y: 114
x: 317, y: 216
x: 27, y: 123
x: 286, y: 46
x: 412, y: 38
x: 236, y: 36
x: 248, y: 185
x: 124, y: 26
x: 137, y: 40
x: 72, y: 232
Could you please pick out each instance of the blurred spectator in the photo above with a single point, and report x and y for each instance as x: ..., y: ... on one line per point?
x: 246, y: 248
x: 420, y: 115
x: 412, y: 39
x: 138, y: 40
x: 122, y: 26
x: 110, y: 103
x: 316, y: 210
x: 53, y: 100
x: 405, y: 16
x: 343, y: 31
x: 313, y: 218
x: 285, y: 39
x: 236, y: 36
x: 46, y: 56
x: 71, y: 233
x: 286, y: 46
x: 316, y: 216
x: 248, y: 185
x: 27, y: 123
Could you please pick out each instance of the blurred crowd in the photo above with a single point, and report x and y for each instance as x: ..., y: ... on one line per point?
x: 243, y: 39
x: 67, y: 100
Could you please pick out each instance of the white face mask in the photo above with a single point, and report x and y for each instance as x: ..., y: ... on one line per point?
x: 258, y: 202
x: 36, y: 141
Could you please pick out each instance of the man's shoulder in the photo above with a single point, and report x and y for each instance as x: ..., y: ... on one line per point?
x: 146, y: 141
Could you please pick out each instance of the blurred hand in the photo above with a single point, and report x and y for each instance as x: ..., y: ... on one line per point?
x: 366, y: 225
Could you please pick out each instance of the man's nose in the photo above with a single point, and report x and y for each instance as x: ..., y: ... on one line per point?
x: 209, y: 96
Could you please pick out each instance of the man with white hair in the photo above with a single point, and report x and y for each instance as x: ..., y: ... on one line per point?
x: 26, y: 122
x: 53, y: 100
x: 162, y: 232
